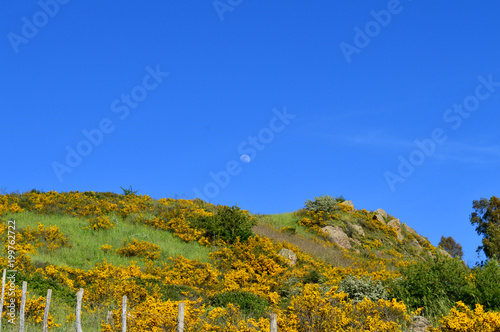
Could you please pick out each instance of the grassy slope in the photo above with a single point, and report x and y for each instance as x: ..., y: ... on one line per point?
x: 85, y: 251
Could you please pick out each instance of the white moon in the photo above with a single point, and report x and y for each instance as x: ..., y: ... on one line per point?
x: 245, y: 158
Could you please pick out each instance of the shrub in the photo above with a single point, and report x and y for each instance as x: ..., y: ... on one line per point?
x: 435, y: 285
x: 487, y: 279
x: 313, y: 277
x: 140, y: 249
x: 227, y: 224
x: 324, y: 203
x: 361, y: 288
x: 249, y: 303
x: 463, y: 319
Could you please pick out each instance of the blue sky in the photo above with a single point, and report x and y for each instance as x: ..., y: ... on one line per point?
x: 326, y: 97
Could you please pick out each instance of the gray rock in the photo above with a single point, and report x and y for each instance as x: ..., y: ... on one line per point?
x: 415, y: 244
x: 380, y: 218
x: 396, y: 224
x: 337, y: 235
x: 289, y: 255
x: 348, y: 203
x: 419, y: 324
x: 358, y: 229
x: 381, y: 212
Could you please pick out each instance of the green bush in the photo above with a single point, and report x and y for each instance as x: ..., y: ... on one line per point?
x: 324, y: 203
x: 249, y: 303
x: 361, y: 288
x: 435, y: 285
x: 313, y: 277
x: 487, y: 279
x: 227, y: 223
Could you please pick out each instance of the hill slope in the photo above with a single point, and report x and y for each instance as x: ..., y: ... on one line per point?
x: 160, y: 252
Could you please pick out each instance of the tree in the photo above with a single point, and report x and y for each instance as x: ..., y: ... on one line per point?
x: 486, y: 217
x: 227, y: 224
x: 452, y: 247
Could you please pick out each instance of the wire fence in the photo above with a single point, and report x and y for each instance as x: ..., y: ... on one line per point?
x: 125, y: 316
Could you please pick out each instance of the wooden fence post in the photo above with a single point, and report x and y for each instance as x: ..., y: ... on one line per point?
x: 180, y: 318
x: 3, y: 293
x: 124, y: 313
x: 79, y: 296
x: 46, y: 313
x: 109, y: 319
x: 274, y: 323
x: 23, y: 304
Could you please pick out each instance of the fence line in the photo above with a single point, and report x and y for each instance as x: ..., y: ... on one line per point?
x: 23, y: 304
x: 46, y: 312
x: 78, y: 319
x: 124, y: 313
x: 109, y: 317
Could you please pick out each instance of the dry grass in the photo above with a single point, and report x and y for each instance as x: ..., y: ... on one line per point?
x: 329, y: 255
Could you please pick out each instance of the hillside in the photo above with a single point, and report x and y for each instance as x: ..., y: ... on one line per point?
x: 319, y: 267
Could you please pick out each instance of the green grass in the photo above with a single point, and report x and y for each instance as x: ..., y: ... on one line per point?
x: 278, y: 221
x: 85, y: 249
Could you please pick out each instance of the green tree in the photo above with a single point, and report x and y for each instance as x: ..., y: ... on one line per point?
x: 452, y: 247
x: 227, y: 223
x: 486, y: 218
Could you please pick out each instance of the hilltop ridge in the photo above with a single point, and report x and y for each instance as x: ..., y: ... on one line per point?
x: 224, y: 263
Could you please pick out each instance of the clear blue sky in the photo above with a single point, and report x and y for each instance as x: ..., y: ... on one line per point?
x: 324, y: 97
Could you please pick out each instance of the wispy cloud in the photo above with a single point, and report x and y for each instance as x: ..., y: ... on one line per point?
x: 474, y: 152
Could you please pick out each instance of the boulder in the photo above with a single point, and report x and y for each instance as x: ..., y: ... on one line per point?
x: 381, y: 212
x: 348, y: 203
x: 289, y: 255
x: 337, y: 235
x: 358, y: 229
x: 396, y: 224
x: 380, y: 218
x: 419, y: 324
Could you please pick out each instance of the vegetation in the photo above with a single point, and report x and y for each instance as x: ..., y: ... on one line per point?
x: 486, y: 218
x: 452, y: 247
x: 225, y: 265
x: 324, y: 203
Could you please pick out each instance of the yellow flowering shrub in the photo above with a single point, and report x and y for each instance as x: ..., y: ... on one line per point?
x: 50, y: 237
x: 314, y: 311
x: 136, y: 248
x: 463, y: 319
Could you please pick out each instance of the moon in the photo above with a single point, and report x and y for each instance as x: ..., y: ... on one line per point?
x: 245, y: 158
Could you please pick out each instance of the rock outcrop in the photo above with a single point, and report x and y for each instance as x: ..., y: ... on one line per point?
x: 396, y: 224
x: 337, y: 235
x: 381, y: 212
x: 358, y: 229
x: 419, y: 324
x: 289, y: 255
